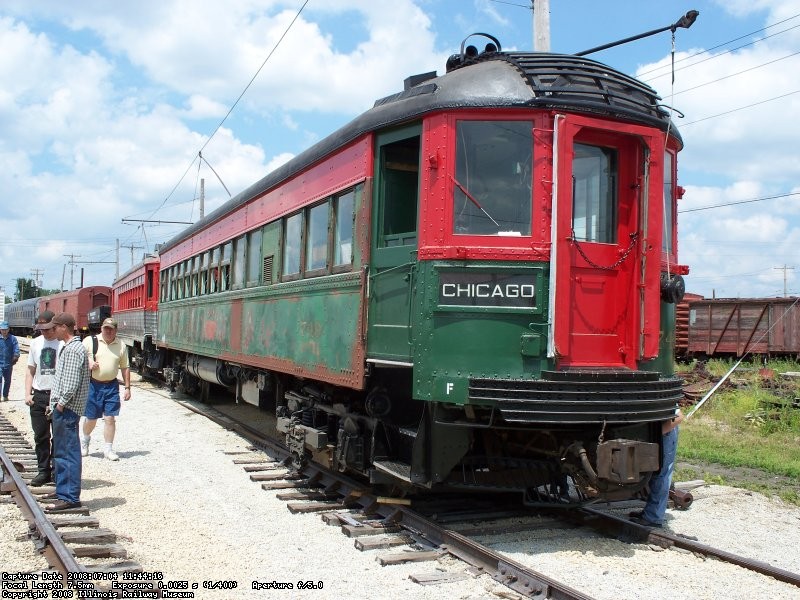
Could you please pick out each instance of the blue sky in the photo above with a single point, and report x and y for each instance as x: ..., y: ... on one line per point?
x: 105, y: 105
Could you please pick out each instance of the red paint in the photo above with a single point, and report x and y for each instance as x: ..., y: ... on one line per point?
x: 348, y: 166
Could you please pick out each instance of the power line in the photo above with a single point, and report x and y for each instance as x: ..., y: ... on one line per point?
x: 733, y: 110
x: 707, y: 50
x: 688, y: 210
x: 217, y: 128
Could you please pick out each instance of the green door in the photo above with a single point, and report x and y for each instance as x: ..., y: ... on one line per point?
x: 394, y: 244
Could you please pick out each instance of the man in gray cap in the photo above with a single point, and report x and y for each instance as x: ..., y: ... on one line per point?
x: 9, y: 355
x: 42, y: 357
x: 107, y: 356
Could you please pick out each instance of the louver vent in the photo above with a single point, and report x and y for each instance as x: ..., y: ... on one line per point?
x: 267, y: 278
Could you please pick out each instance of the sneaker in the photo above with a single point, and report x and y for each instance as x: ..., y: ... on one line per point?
x: 85, y: 446
x: 111, y: 455
x: 41, y: 479
x: 5, y: 398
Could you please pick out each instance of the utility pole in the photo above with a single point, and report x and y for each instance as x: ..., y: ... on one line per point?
x: 784, y: 268
x: 37, y: 279
x: 132, y: 247
x: 202, y: 198
x: 71, y: 258
x: 541, y: 25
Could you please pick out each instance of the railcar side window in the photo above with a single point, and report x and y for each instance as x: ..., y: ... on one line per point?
x: 493, y: 180
x: 594, y: 194
x: 254, y: 257
x: 343, y: 237
x: 213, y: 271
x: 238, y: 262
x: 291, y: 245
x: 669, y: 199
x: 317, y: 238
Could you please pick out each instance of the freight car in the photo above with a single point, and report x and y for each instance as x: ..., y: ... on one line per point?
x: 135, y: 308
x: 79, y: 303
x: 471, y: 285
x: 728, y: 327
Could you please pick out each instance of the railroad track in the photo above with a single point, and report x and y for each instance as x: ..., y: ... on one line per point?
x: 61, y: 538
x: 376, y: 521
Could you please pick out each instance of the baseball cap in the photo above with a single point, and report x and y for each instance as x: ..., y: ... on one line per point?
x: 44, y: 320
x: 109, y: 323
x: 64, y: 319
x: 3, y: 324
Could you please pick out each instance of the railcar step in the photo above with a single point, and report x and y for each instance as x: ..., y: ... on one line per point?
x: 397, y: 469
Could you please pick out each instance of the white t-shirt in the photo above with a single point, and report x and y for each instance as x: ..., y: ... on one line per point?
x: 43, y: 355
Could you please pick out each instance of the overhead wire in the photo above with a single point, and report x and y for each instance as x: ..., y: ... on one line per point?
x: 236, y: 102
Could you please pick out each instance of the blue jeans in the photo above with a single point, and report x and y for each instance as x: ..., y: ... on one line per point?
x: 656, y: 506
x: 5, y: 373
x: 67, y: 455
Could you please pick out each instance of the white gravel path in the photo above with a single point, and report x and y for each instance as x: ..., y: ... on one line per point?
x: 183, y: 508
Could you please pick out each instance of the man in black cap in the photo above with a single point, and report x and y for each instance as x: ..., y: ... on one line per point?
x: 38, y: 381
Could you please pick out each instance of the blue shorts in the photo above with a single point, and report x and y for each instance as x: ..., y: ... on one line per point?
x: 103, y: 399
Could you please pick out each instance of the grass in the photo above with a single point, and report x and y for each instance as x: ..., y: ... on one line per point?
x: 749, y: 423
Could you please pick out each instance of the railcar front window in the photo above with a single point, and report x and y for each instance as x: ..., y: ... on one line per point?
x: 594, y: 194
x: 493, y: 180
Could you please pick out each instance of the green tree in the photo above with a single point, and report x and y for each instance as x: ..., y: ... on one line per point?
x: 25, y: 288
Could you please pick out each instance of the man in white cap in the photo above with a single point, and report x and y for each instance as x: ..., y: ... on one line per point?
x: 9, y: 355
x: 107, y: 356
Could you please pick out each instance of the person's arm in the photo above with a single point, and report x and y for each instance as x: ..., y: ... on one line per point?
x: 126, y: 378
x: 29, y: 373
x: 15, y: 346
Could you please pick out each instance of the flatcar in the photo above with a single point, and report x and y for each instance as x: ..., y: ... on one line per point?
x: 21, y: 316
x: 135, y: 308
x: 472, y: 285
x: 733, y: 327
x: 79, y: 303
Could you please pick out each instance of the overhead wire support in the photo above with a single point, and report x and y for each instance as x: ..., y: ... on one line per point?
x: 236, y: 102
x: 200, y: 155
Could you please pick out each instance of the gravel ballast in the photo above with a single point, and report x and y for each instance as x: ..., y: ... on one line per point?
x: 180, y: 506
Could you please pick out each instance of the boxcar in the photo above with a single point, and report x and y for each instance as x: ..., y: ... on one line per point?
x: 471, y: 285
x: 738, y: 326
x: 135, y: 308
x: 78, y: 303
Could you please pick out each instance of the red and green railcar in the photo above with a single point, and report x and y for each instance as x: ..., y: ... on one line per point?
x: 471, y: 285
x: 135, y: 308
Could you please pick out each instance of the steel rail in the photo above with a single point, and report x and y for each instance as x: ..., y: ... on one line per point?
x: 512, y: 574
x: 515, y: 576
x: 47, y: 539
x: 620, y: 526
